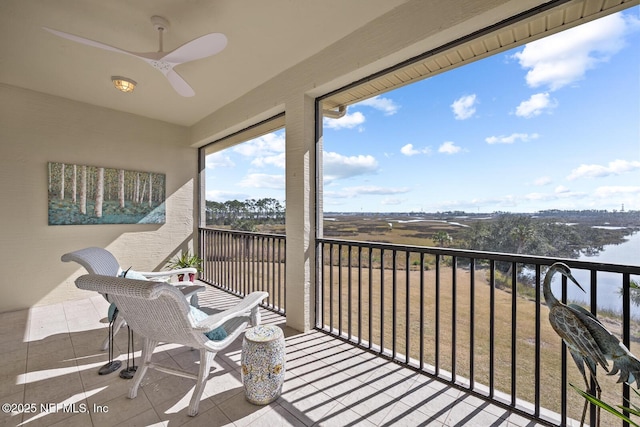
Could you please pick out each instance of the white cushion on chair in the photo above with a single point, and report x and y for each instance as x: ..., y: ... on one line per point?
x: 132, y: 274
x: 217, y: 334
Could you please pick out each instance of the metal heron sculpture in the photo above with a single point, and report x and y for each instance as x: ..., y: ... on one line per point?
x: 588, y: 341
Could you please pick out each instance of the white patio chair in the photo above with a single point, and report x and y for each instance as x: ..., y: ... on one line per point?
x: 158, y: 312
x: 100, y: 261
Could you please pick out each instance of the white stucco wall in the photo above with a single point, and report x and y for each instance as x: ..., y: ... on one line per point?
x: 36, y: 129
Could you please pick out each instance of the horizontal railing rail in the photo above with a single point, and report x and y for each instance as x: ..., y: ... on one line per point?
x: 242, y: 262
x: 476, y: 320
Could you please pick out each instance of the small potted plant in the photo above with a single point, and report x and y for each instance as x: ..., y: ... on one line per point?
x: 185, y: 260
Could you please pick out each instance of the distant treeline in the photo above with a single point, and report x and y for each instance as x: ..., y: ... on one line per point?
x: 523, y: 234
x: 246, y: 215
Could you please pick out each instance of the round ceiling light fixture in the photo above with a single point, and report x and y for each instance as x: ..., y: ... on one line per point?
x: 123, y: 84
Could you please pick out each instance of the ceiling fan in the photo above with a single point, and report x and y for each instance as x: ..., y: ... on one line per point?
x: 202, y: 47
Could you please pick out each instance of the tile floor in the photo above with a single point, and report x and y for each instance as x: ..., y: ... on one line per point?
x: 49, y: 358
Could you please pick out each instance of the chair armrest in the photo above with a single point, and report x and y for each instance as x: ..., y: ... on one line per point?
x: 169, y: 273
x: 189, y: 290
x: 240, y: 309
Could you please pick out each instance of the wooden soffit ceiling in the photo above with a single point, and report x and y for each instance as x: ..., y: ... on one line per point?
x: 517, y: 31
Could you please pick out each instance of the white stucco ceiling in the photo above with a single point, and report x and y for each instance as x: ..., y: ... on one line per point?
x: 264, y: 39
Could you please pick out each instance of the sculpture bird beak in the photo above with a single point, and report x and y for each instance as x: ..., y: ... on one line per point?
x: 573, y: 279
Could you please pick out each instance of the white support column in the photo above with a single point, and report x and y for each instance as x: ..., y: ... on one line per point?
x: 300, y: 215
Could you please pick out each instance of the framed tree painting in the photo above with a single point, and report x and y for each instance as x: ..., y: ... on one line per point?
x: 80, y: 194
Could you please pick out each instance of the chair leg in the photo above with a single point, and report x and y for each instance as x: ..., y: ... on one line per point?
x: 206, y: 360
x: 147, y: 351
x: 255, y: 316
x: 119, y: 323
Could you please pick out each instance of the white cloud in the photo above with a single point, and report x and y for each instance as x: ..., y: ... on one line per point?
x: 223, y: 196
x: 564, y: 58
x: 408, y: 150
x: 610, y: 191
x: 337, y: 166
x: 262, y: 180
x: 348, y: 121
x: 367, y: 190
x: 536, y: 105
x: 277, y: 161
x: 386, y: 105
x: 559, y: 194
x: 524, y: 137
x: 543, y: 180
x: 463, y: 108
x: 569, y: 198
x: 449, y: 148
x: 375, y: 190
x: 265, y: 145
x: 392, y: 202
x: 616, y: 167
x: 218, y: 160
x: 536, y: 196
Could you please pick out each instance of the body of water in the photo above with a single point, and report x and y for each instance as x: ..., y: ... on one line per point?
x: 608, y: 284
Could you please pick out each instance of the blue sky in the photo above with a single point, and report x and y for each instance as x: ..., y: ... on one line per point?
x: 554, y: 124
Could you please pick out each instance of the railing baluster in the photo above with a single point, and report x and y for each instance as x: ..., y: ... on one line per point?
x: 407, y: 302
x: 340, y: 290
x: 538, y: 340
x: 454, y: 317
x: 421, y: 338
x: 472, y: 316
x: 331, y: 287
x: 261, y: 279
x: 437, y: 316
x: 594, y: 310
x: 514, y: 330
x: 322, y: 278
x: 370, y: 297
x: 394, y: 303
x: 360, y: 295
x: 492, y: 324
x: 272, y: 276
x: 282, y: 288
x: 349, y: 291
x: 626, y: 336
x: 382, y: 301
x: 563, y: 376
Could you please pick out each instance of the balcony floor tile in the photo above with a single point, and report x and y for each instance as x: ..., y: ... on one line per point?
x: 55, y: 355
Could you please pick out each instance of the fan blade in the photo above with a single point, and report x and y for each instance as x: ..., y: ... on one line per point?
x: 204, y: 46
x: 88, y: 42
x: 179, y: 84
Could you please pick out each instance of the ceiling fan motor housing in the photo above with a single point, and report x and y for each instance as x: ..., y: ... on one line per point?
x: 159, y: 23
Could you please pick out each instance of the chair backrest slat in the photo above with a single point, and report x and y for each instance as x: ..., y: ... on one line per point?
x: 95, y: 260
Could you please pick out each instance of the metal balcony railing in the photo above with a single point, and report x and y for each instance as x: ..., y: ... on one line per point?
x: 475, y: 320
x: 243, y: 262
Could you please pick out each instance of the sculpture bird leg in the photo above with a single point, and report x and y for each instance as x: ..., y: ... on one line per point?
x: 599, y: 395
x: 586, y: 402
x: 580, y: 364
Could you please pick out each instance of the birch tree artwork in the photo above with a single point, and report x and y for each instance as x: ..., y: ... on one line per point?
x: 80, y: 194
